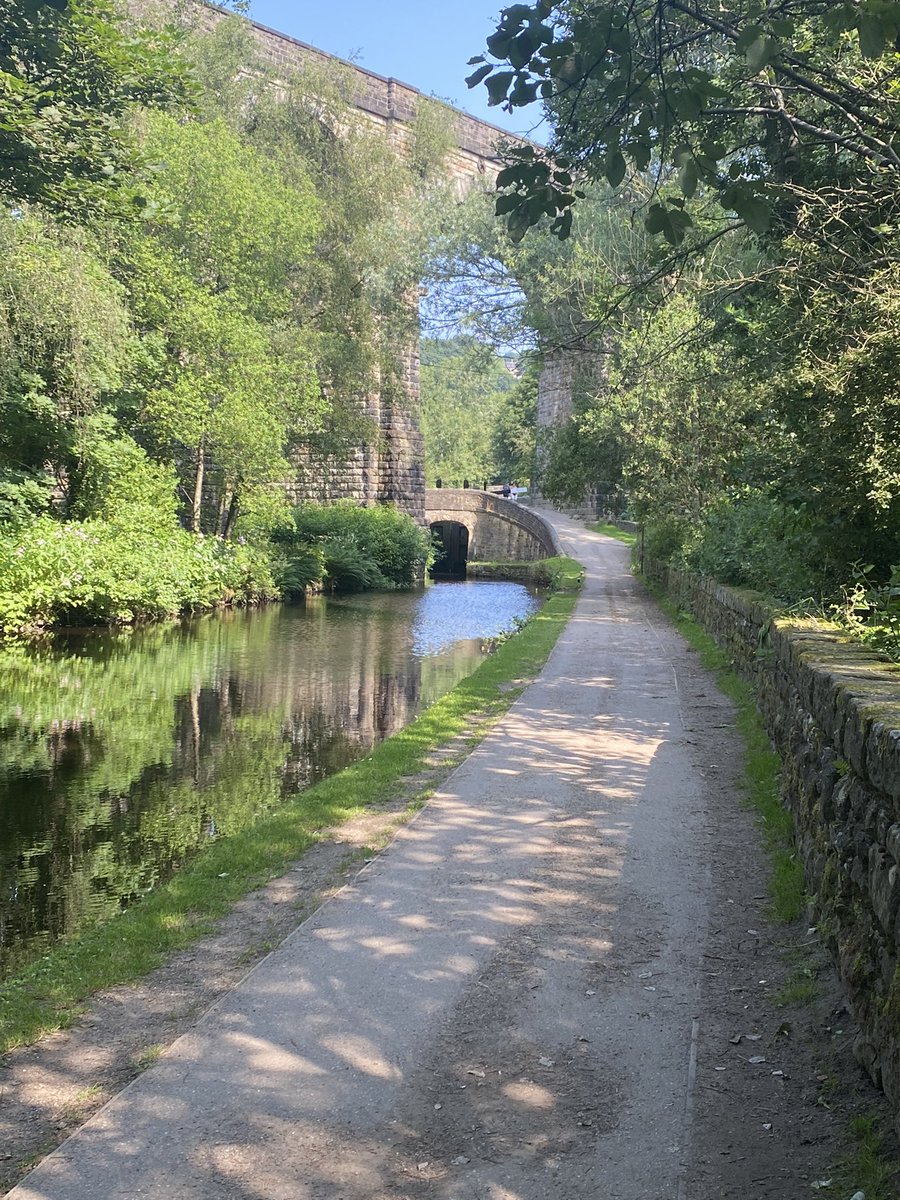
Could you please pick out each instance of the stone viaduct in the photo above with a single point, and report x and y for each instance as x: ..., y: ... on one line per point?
x: 389, y: 467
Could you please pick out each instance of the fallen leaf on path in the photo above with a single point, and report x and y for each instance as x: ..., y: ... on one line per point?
x: 757, y: 1058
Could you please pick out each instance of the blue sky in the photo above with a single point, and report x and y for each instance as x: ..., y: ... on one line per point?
x: 425, y: 43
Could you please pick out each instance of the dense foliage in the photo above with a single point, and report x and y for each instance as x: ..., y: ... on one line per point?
x: 349, y: 548
x: 723, y: 300
x: 202, y: 275
x: 71, y: 74
x: 735, y: 99
x: 467, y: 393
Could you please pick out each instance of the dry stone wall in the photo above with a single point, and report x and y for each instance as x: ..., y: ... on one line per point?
x: 833, y: 712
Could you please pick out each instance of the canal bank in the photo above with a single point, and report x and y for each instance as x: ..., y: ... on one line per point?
x: 559, y: 981
x: 208, y: 925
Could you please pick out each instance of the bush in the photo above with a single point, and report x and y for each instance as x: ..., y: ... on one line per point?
x: 349, y: 570
x: 122, y: 570
x: 752, y: 540
x: 362, y: 548
x: 870, y: 612
x: 300, y: 569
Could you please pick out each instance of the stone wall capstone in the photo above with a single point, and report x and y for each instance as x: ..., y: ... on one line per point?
x: 832, y: 709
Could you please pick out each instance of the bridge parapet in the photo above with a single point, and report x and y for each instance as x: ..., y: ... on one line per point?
x: 499, y: 530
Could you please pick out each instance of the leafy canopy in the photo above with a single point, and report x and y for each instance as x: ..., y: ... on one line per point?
x: 71, y: 73
x: 730, y: 101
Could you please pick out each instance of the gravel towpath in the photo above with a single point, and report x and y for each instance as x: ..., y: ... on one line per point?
x: 508, y: 1002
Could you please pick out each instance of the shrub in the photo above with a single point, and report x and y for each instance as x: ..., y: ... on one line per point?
x: 870, y: 612
x: 349, y: 570
x: 121, y: 570
x: 300, y: 569
x: 362, y: 547
x: 752, y: 540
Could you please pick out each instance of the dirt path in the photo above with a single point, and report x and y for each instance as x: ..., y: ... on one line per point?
x: 556, y: 982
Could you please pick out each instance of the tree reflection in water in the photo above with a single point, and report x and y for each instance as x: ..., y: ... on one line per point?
x: 123, y: 753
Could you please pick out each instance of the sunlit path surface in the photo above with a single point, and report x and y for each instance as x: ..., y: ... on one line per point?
x: 501, y: 1005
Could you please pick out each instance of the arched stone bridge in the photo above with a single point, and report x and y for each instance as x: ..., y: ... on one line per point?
x: 496, y: 530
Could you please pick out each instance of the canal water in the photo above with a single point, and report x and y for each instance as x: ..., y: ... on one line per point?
x: 123, y: 753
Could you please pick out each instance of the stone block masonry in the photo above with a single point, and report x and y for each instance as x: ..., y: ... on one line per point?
x: 833, y: 712
x: 499, y: 530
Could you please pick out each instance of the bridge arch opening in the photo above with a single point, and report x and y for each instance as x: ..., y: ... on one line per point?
x: 453, y: 549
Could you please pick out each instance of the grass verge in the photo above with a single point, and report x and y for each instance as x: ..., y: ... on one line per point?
x: 48, y: 995
x: 870, y: 1168
x: 762, y: 766
x: 613, y: 531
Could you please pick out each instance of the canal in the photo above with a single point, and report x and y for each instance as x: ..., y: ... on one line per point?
x: 123, y: 753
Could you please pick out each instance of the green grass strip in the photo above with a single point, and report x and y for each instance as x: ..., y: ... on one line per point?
x: 870, y: 1168
x: 762, y: 766
x: 613, y: 531
x: 50, y: 993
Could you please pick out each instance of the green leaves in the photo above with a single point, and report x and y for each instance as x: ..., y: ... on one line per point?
x: 669, y: 220
x: 742, y: 94
x: 615, y: 167
x: 476, y: 77
x: 541, y: 188
x: 69, y: 77
x: 752, y: 208
x: 498, y: 86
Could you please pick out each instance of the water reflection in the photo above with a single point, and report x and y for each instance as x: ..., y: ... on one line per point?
x: 122, y: 753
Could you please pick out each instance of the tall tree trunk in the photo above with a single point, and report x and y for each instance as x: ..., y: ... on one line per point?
x: 196, y: 503
x: 231, y: 518
x: 221, y: 509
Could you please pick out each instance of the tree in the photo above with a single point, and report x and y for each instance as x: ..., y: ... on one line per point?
x: 71, y: 73
x: 464, y: 389
x: 66, y: 343
x: 212, y: 284
x: 735, y: 102
x: 513, y: 439
x: 355, y: 308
